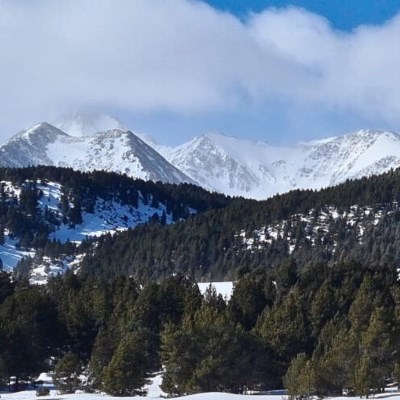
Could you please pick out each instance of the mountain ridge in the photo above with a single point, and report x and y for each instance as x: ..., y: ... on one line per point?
x: 113, y: 150
x: 259, y: 170
x: 217, y: 162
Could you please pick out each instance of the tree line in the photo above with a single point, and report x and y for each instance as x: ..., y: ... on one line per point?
x: 315, y: 330
x: 208, y: 245
x: 211, y: 245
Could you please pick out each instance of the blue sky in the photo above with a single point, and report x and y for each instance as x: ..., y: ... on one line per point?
x: 276, y: 71
x: 342, y: 14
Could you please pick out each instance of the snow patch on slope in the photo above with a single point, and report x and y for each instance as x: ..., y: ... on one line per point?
x: 10, y: 254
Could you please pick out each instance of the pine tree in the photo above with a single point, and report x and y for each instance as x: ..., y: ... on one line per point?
x: 102, y: 353
x: 300, y: 380
x: 363, y: 377
x: 380, y: 343
x: 207, y: 352
x: 67, y: 373
x: 248, y: 301
x: 179, y: 352
x: 130, y: 366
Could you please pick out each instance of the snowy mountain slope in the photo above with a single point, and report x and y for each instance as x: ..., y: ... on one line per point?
x: 114, y: 150
x: 351, y: 156
x: 215, y: 166
x: 219, y: 163
x: 108, y: 216
x: 46, y: 213
x: 81, y: 123
x: 258, y: 170
x: 29, y: 146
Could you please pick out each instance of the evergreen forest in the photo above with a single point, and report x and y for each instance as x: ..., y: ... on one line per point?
x: 315, y: 306
x: 314, y: 330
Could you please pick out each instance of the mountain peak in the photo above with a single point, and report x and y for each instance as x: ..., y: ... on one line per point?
x: 40, y: 129
x: 82, y: 123
x: 117, y: 150
x: 369, y: 134
x: 213, y: 135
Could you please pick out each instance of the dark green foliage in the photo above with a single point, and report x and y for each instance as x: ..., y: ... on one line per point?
x: 331, y: 327
x: 251, y: 295
x: 207, y: 353
x: 6, y: 286
x: 29, y: 330
x: 211, y: 245
x: 319, y: 310
x: 102, y: 352
x: 67, y: 373
x: 29, y: 219
x: 130, y: 366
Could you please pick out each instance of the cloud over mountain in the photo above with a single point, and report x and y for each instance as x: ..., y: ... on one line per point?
x: 187, y: 58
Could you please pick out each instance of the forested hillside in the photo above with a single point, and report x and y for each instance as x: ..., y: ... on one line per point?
x: 357, y: 219
x: 315, y: 307
x: 109, y: 225
x: 46, y: 212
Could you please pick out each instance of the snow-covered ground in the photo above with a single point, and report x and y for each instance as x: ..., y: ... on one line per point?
x: 316, y: 225
x: 10, y: 255
x: 30, y: 395
x: 154, y: 392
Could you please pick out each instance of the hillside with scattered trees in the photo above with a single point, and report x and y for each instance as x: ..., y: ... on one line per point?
x: 315, y: 306
x: 355, y: 220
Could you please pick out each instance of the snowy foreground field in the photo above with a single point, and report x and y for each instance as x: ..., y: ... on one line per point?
x: 203, y: 396
x: 154, y: 392
x: 30, y: 395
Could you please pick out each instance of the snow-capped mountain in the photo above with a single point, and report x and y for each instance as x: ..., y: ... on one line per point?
x: 258, y: 170
x: 362, y: 153
x: 114, y: 150
x: 237, y: 167
x: 29, y: 147
x: 225, y: 164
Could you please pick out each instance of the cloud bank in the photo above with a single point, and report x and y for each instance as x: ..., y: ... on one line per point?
x: 184, y: 57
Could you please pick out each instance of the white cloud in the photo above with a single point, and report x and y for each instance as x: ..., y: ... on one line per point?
x: 183, y: 56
